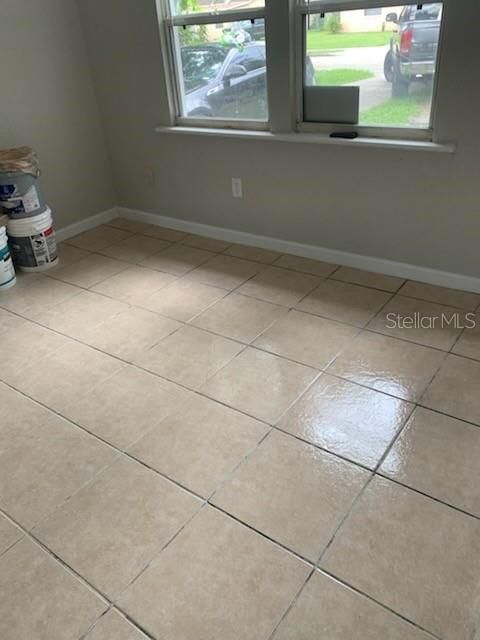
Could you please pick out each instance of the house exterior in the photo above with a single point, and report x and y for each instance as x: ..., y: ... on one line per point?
x: 360, y: 20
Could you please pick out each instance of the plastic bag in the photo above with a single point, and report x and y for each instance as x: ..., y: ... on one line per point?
x: 19, y: 160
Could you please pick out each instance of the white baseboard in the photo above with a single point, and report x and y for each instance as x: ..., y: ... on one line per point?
x: 85, y: 225
x: 344, y: 258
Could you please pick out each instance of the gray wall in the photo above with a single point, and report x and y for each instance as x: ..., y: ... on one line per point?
x: 415, y: 207
x: 48, y: 102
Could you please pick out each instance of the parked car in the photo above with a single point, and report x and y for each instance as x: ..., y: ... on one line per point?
x: 216, y: 76
x: 413, y: 46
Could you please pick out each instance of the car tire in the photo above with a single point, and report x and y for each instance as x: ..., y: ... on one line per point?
x: 389, y: 67
x: 400, y: 86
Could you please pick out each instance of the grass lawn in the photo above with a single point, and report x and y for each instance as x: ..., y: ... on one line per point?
x: 341, y: 76
x: 322, y: 40
x: 397, y: 112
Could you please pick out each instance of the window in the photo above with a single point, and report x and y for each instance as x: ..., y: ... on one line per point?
x: 220, y: 63
x: 367, y: 67
x: 388, y: 71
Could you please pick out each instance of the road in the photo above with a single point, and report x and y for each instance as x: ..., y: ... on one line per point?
x: 373, y: 91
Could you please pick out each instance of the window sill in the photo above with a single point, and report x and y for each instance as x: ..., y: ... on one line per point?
x: 312, y: 138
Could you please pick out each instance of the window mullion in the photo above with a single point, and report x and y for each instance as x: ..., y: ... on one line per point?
x: 280, y: 38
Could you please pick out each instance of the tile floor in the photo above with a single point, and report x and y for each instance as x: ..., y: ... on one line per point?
x: 204, y: 441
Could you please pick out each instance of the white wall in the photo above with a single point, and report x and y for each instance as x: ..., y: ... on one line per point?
x: 48, y: 102
x: 414, y: 207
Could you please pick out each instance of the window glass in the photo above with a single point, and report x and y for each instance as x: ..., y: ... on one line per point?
x: 390, y: 56
x: 222, y: 70
x: 185, y: 7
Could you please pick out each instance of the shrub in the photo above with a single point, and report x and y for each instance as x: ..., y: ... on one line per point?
x: 333, y: 23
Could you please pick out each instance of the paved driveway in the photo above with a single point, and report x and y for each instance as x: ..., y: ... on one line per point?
x: 373, y: 91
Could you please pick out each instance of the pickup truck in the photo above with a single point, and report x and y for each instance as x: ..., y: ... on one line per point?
x: 413, y: 47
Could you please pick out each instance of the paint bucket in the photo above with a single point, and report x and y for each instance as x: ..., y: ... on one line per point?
x: 20, y: 194
x: 7, y: 271
x: 33, y: 243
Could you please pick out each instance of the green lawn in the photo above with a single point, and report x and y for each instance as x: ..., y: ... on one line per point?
x: 323, y: 40
x: 341, y: 76
x: 397, y: 112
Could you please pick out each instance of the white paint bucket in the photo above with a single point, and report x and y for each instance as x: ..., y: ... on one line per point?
x: 7, y: 271
x: 33, y: 242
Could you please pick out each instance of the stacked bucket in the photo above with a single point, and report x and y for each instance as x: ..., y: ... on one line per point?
x: 26, y: 221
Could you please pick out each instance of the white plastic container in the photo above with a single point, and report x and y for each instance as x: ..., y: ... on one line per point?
x: 33, y: 242
x: 7, y: 271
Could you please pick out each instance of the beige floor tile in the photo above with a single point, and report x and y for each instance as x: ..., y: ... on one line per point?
x: 69, y: 255
x: 183, y: 300
x: 217, y: 580
x: 43, y: 459
x: 170, y: 235
x: 279, y: 488
x: 190, y: 356
x: 468, y: 344
x: 307, y: 339
x: 344, y: 302
x: 27, y: 345
x: 98, y: 238
x: 414, y: 555
x: 252, y: 253
x: 368, y: 279
x: 111, y: 530
x: 347, y: 419
x: 59, y: 377
x: 122, y: 408
x: 239, y: 317
x: 135, y: 284
x: 306, y: 265
x: 80, y: 314
x: 41, y: 600
x: 226, y: 272
x: 328, y: 610
x: 418, y: 321
x: 454, y: 389
x: 280, y: 286
x: 88, y: 271
x: 450, y: 297
x: 200, y: 445
x: 133, y: 226
x: 135, y: 248
x: 439, y: 456
x: 260, y: 384
x: 177, y: 260
x: 208, y: 244
x: 114, y: 626
x: 10, y: 322
x: 9, y: 534
x: 130, y: 333
x: 34, y: 293
x: 393, y: 366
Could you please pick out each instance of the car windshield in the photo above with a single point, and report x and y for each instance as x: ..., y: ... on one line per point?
x: 201, y: 64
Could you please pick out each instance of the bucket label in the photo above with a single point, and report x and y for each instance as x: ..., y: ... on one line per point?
x: 36, y: 250
x: 15, y: 204
x: 7, y: 272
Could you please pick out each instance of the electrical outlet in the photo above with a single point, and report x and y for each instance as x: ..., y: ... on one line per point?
x: 237, y: 188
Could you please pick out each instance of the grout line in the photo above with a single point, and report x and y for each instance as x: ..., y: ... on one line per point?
x: 377, y: 602
x: 292, y: 604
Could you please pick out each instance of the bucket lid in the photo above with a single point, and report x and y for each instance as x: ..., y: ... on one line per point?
x: 19, y: 160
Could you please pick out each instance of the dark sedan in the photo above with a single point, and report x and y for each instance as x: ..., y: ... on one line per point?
x: 226, y: 81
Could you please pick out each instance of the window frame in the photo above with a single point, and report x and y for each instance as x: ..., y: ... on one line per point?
x: 173, y: 64
x: 286, y: 115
